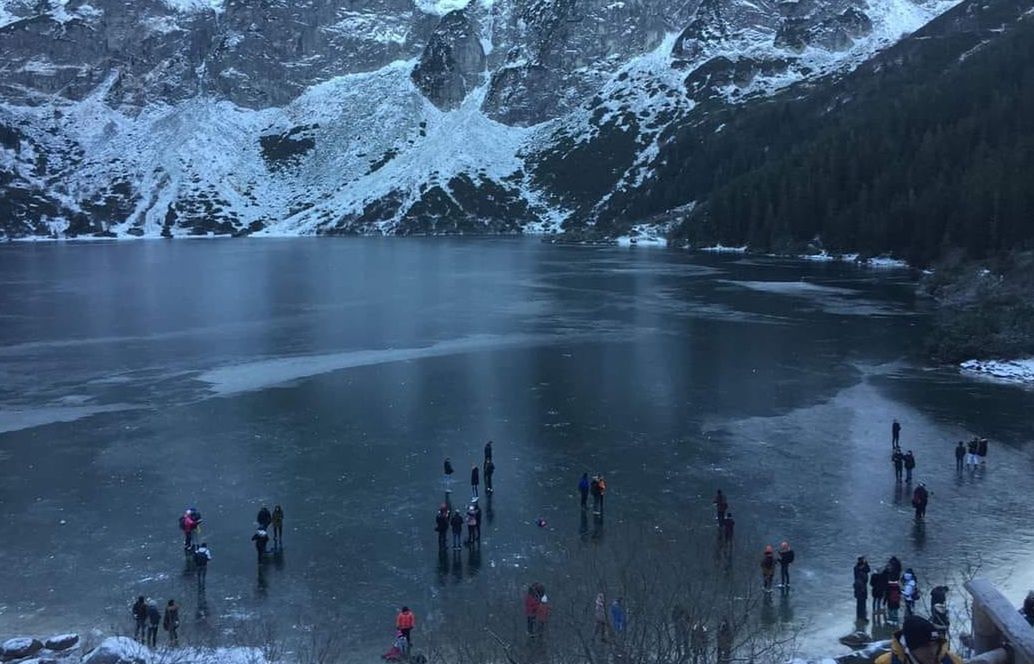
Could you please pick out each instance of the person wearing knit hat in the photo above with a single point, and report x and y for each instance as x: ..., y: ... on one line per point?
x: 767, y: 568
x: 919, y: 642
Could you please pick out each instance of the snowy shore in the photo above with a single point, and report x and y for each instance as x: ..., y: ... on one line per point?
x: 68, y: 649
x: 1014, y: 372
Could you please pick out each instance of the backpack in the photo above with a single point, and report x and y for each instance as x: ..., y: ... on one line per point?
x: 202, y: 556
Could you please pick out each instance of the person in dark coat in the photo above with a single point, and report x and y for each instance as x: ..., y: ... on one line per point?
x: 261, y: 540
x: 171, y: 622
x: 474, y: 481
x: 982, y: 450
x: 140, y: 617
x: 447, y: 470
x: 154, y: 618
x: 583, y: 489
x: 893, y: 569
x: 202, y: 557
x: 441, y: 525
x: 488, y: 451
x: 939, y: 609
x: 898, y: 459
x: 278, y: 525
x: 920, y: 497
x: 728, y: 525
x: 910, y: 465
x: 456, y: 522
x: 721, y: 506
x: 895, y: 434
x: 878, y: 589
x: 264, y: 518
x: 786, y: 556
x: 489, y: 471
x: 477, y: 521
x: 960, y: 456
x: 861, y: 594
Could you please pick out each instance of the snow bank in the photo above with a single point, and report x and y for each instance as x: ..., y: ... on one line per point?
x: 722, y: 249
x: 188, y: 6
x: 124, y: 649
x: 1016, y: 372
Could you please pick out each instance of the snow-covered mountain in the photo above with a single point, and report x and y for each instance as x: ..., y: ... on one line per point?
x: 383, y: 116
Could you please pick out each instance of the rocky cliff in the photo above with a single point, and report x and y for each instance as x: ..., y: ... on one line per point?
x: 177, y: 117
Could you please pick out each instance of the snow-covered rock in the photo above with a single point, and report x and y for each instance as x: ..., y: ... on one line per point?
x: 118, y: 650
x: 19, y: 648
x: 61, y: 642
x: 1016, y: 372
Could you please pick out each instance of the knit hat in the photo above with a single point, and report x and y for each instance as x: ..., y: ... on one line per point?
x: 918, y: 632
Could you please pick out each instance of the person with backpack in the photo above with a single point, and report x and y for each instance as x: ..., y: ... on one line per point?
x: 920, y: 497
x: 909, y: 591
x: 441, y: 525
x: 457, y: 528
x: 404, y: 622
x: 918, y: 642
x: 264, y: 518
x: 721, y: 506
x: 489, y: 472
x: 786, y: 557
x: 474, y: 481
x: 583, y: 489
x: 910, y: 465
x: 171, y: 622
x: 201, y: 557
x: 140, y: 617
x: 154, y: 618
x: 898, y: 459
x: 278, y: 526
x: 261, y: 540
x: 878, y: 589
x: 893, y: 600
x: 960, y: 455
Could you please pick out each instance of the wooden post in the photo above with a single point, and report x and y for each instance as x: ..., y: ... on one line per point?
x: 997, y: 622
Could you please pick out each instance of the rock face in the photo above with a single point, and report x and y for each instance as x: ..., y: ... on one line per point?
x: 453, y: 62
x: 163, y: 117
x: 19, y: 648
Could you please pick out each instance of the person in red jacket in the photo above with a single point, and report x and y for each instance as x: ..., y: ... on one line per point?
x: 531, y: 605
x: 404, y: 623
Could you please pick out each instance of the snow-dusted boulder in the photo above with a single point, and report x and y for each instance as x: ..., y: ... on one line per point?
x: 20, y: 648
x: 867, y: 655
x: 118, y: 650
x: 61, y: 642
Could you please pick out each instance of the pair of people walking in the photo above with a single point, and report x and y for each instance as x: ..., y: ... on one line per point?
x: 265, y: 519
x: 768, y: 563
x: 608, y: 622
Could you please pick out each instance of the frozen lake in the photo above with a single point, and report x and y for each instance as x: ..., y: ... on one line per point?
x: 333, y: 375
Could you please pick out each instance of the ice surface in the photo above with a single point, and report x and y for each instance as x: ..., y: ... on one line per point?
x: 14, y: 419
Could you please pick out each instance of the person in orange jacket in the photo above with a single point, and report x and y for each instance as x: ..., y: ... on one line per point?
x: 404, y: 623
x: 767, y: 568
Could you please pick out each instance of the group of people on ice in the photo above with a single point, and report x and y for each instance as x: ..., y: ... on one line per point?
x: 147, y: 618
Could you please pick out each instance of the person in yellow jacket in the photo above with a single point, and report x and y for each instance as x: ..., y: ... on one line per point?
x: 919, y: 642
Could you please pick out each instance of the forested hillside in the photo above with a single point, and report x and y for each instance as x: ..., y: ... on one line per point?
x: 927, y: 148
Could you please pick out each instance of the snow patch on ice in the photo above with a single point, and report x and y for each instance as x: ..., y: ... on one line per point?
x: 722, y: 249
x: 234, y: 379
x: 798, y: 288
x: 16, y: 419
x: 1016, y: 372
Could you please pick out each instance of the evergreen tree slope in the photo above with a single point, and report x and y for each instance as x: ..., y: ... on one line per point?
x: 925, y: 149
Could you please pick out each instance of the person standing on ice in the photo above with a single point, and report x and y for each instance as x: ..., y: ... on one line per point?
x: 583, y: 489
x: 878, y: 588
x: 920, y: 497
x: 456, y: 522
x: 861, y: 597
x: 140, y: 616
x: 488, y: 451
x: 475, y: 475
x: 189, y: 523
x: 264, y: 518
x: 910, y: 465
x: 898, y: 459
x: 278, y: 526
x: 404, y: 622
x: 489, y: 472
x: 767, y: 568
x: 261, y: 540
x: 201, y: 559
x: 895, y: 434
x: 728, y: 525
x: 960, y: 455
x: 893, y: 600
x: 154, y: 618
x: 447, y: 479
x: 441, y: 525
x: 171, y: 622
x: 721, y: 506
x: 786, y: 557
